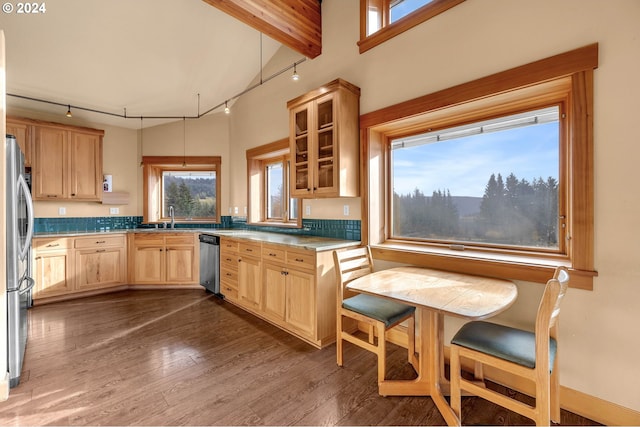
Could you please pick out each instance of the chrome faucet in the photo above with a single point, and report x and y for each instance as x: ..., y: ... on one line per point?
x: 172, y: 215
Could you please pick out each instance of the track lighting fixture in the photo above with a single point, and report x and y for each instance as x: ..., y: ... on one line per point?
x: 295, y: 77
x: 227, y: 110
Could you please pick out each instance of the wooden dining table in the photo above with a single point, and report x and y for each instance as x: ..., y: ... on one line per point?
x: 435, y: 293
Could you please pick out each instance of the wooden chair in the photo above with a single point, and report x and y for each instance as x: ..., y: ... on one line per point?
x: 378, y: 313
x: 531, y: 355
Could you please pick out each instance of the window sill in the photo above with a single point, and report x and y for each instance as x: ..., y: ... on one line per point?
x: 505, y: 266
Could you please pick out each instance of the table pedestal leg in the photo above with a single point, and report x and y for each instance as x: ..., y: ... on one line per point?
x: 431, y: 379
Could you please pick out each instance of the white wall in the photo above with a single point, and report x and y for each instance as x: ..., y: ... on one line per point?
x: 475, y: 39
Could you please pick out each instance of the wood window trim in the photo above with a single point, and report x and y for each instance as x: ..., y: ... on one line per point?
x: 389, y: 31
x: 256, y: 159
x: 152, y: 168
x: 573, y: 69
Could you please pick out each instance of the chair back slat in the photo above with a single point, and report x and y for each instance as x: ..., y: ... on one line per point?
x: 350, y: 265
x: 549, y: 308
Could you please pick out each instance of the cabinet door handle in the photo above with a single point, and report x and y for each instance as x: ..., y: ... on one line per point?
x: 101, y: 241
x: 101, y: 250
x: 272, y: 255
x: 299, y: 260
x: 53, y: 245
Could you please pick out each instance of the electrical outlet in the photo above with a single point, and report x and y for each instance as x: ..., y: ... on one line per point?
x: 346, y: 210
x: 62, y: 211
x: 308, y: 210
x: 235, y: 210
x: 114, y: 211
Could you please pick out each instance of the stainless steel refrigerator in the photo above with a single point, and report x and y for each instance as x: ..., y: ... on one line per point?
x: 19, y: 234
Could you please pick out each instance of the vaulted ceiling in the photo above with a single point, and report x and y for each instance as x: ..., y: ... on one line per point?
x: 150, y: 57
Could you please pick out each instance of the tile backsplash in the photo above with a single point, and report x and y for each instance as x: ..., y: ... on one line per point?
x: 337, y: 229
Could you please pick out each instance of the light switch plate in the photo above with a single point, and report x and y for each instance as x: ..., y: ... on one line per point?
x: 308, y: 210
x: 62, y: 211
x: 114, y: 211
x: 346, y: 210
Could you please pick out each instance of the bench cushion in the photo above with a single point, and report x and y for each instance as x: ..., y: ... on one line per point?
x: 386, y: 311
x: 514, y: 345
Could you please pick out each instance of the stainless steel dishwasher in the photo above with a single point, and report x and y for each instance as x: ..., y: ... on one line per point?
x: 210, y: 263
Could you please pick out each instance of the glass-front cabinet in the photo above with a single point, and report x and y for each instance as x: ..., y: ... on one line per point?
x: 324, y: 141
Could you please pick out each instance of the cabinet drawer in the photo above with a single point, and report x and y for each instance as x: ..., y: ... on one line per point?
x: 227, y: 245
x: 229, y: 261
x: 301, y: 259
x: 148, y: 239
x: 98, y: 241
x: 228, y: 290
x: 229, y: 275
x: 251, y: 249
x: 273, y: 253
x: 51, y: 244
x: 179, y: 239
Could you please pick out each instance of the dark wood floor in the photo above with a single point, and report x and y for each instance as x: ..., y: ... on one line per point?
x: 187, y: 358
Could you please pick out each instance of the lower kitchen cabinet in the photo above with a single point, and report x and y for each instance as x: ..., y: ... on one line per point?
x: 100, y: 261
x: 66, y: 267
x: 53, y: 267
x: 229, y: 269
x: 250, y: 275
x: 292, y: 288
x: 163, y: 258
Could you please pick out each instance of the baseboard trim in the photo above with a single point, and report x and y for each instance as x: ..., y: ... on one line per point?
x: 585, y: 405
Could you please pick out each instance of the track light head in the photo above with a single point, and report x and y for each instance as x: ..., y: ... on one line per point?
x: 295, y: 77
x: 69, y: 111
x: 226, y: 107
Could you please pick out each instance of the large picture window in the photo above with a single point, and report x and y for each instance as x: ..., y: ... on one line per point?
x: 491, y: 177
x: 491, y: 182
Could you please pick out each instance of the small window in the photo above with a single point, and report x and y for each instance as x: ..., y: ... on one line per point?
x: 270, y: 202
x: 191, y: 193
x: 278, y: 205
x: 191, y: 185
x: 381, y: 20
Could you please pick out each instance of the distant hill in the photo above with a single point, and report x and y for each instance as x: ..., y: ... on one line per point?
x: 467, y: 205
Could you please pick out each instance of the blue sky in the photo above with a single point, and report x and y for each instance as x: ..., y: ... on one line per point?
x: 464, y: 165
x: 406, y: 7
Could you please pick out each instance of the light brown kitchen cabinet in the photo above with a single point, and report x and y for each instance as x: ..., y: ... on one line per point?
x: 292, y: 288
x: 289, y: 296
x: 23, y: 131
x: 250, y: 275
x: 324, y: 139
x: 67, y: 163
x: 164, y: 258
x: 66, y: 267
x: 229, y: 268
x: 53, y: 267
x: 100, y: 261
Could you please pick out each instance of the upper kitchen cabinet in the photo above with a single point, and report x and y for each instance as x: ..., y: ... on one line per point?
x: 324, y: 139
x: 23, y: 132
x: 67, y: 163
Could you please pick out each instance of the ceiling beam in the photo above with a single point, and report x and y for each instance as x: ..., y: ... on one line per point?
x: 294, y: 23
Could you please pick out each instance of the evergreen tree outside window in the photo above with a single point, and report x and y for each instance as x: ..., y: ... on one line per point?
x: 192, y: 194
x: 489, y: 183
x: 190, y: 184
